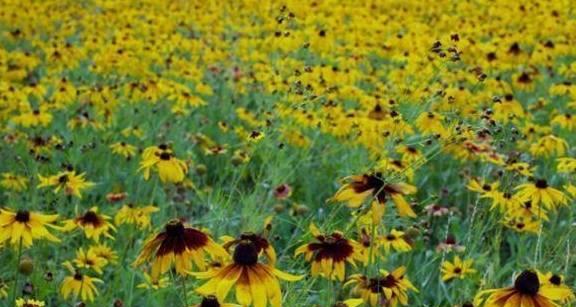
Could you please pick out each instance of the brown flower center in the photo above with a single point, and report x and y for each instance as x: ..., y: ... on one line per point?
x: 555, y: 280
x: 246, y: 253
x: 541, y: 184
x: 527, y: 283
x: 165, y: 156
x: 91, y: 217
x: 22, y: 216
x: 209, y: 301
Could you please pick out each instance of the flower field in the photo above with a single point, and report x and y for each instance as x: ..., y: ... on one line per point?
x: 287, y: 153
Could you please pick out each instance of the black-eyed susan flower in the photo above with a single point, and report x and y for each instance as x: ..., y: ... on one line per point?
x: 24, y: 226
x: 539, y: 192
x: 527, y: 290
x: 92, y: 223
x: 329, y: 254
x: 212, y: 301
x: 89, y: 260
x: 522, y: 224
x: 254, y: 282
x: 181, y: 245
x: 79, y: 285
x: 395, y: 240
x: 457, y: 268
x: 161, y: 159
x: 123, y: 149
x: 139, y: 216
x: 557, y: 281
x: 154, y: 284
x: 29, y: 302
x: 105, y: 252
x: 387, y: 289
x: 364, y: 186
x: 14, y: 182
x: 67, y: 181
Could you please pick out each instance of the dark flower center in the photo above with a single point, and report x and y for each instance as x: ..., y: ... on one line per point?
x: 165, y: 156
x: 163, y: 146
x: 486, y: 187
x: 210, y: 301
x: 541, y: 184
x: 63, y: 179
x: 377, y: 285
x: 527, y: 283
x: 555, y: 280
x: 78, y: 276
x: 174, y: 229
x: 91, y: 217
x: 246, y: 253
x: 22, y: 216
x: 457, y: 270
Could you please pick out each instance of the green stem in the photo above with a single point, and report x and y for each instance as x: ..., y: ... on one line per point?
x: 17, y: 277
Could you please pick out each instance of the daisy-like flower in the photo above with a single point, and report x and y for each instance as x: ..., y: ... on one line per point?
x: 90, y: 260
x: 522, y: 224
x: 557, y: 281
x: 105, y: 252
x: 388, y: 289
x: 13, y: 182
x: 540, y: 192
x: 161, y: 159
x: 396, y: 240
x: 212, y: 301
x: 353, y: 302
x: 566, y: 165
x: 28, y: 302
x: 154, y: 284
x: 528, y: 290
x: 139, y: 216
x: 179, y: 244
x: 67, y: 181
x: 123, y: 149
x: 361, y: 187
x: 24, y: 226
x: 255, y: 282
x: 458, y: 268
x: 330, y: 253
x: 79, y: 285
x: 94, y: 225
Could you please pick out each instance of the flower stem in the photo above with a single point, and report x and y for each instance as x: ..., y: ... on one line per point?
x: 17, y: 277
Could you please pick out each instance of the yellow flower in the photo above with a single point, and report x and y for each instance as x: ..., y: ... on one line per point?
x: 67, y: 181
x: 28, y: 302
x: 152, y: 284
x: 457, y: 269
x: 540, y: 192
x: 93, y: 224
x: 364, y: 186
x: 395, y: 239
x: 14, y: 182
x: 89, y: 260
x: 24, y: 226
x: 162, y: 160
x: 79, y: 285
x: 178, y: 244
x: 528, y: 290
x: 256, y: 283
x: 123, y: 149
x: 329, y: 254
x: 391, y: 288
x: 139, y: 216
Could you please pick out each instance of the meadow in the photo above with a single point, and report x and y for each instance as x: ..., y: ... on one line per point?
x: 287, y: 153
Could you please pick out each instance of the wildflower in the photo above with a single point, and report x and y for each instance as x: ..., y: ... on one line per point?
x: 522, y: 224
x: 89, y: 260
x: 139, y: 216
x: 528, y: 290
x: 540, y: 192
x: 254, y: 282
x: 116, y: 197
x: 566, y: 165
x: 93, y: 224
x: 557, y: 281
x: 450, y: 244
x: 363, y: 186
x: 162, y: 160
x: 353, y: 302
x: 212, y: 301
x: 330, y: 253
x: 68, y: 181
x: 549, y: 145
x: 123, y: 149
x: 24, y: 226
x: 457, y: 269
x: 178, y: 244
x: 104, y: 252
x: 282, y: 191
x: 154, y: 284
x: 14, y: 182
x: 28, y: 302
x: 79, y: 285
x: 436, y: 210
x: 395, y: 239
x: 387, y: 289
